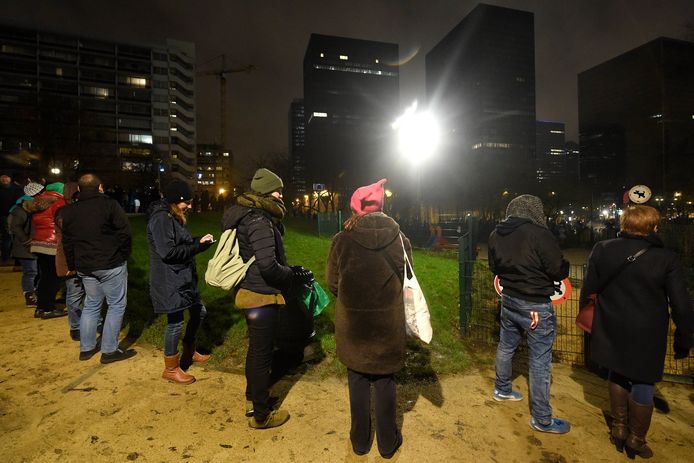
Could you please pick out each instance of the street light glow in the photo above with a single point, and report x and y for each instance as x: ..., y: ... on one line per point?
x: 55, y: 171
x: 418, y: 134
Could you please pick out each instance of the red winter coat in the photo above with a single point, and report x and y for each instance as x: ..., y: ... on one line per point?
x: 42, y: 208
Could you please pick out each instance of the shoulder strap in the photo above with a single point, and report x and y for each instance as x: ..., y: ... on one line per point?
x: 623, y: 265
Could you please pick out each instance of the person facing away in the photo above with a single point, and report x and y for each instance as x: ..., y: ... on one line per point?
x: 173, y: 278
x: 526, y: 257
x: 20, y: 229
x: 97, y: 243
x: 257, y: 217
x: 370, y: 315
x: 631, y: 322
x: 9, y: 193
x: 44, y: 245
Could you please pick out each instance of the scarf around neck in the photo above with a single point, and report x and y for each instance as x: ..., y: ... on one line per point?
x: 273, y: 206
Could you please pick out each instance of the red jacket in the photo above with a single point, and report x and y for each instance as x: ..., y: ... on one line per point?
x: 43, y: 207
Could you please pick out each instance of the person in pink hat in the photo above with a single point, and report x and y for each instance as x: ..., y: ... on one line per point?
x: 365, y: 271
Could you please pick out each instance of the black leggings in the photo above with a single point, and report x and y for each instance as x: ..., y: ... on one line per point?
x: 49, y: 283
x: 262, y: 327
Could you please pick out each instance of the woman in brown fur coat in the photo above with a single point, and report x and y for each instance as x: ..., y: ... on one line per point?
x: 370, y: 315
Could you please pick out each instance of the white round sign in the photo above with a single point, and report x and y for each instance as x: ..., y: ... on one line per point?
x: 639, y: 194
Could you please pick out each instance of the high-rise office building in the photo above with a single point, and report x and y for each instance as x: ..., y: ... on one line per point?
x: 550, y: 157
x: 480, y: 82
x: 215, y: 170
x: 636, y: 118
x: 351, y: 96
x: 71, y: 104
x: 297, y: 143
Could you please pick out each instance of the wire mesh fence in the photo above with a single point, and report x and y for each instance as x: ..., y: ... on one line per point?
x: 480, y: 306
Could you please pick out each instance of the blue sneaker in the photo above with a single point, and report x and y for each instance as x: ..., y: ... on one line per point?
x: 514, y: 396
x: 557, y: 426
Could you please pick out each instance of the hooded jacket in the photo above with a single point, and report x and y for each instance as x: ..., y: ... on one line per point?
x: 173, y: 277
x: 527, y: 259
x: 369, y: 314
x: 258, y: 236
x: 632, y: 320
x: 20, y: 228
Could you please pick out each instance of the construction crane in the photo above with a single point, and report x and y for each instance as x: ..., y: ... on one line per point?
x: 222, y: 74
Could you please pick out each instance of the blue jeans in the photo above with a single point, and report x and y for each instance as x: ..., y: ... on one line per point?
x: 29, y: 273
x: 73, y: 301
x: 112, y: 285
x: 515, y: 319
x: 174, y: 327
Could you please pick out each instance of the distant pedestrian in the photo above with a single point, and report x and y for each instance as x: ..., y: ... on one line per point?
x: 97, y: 243
x: 526, y: 257
x: 173, y: 277
x: 9, y: 193
x: 630, y: 326
x: 20, y: 229
x: 370, y: 315
x: 44, y: 245
x: 136, y: 205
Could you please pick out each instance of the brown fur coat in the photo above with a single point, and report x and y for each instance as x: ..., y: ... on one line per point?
x: 369, y: 315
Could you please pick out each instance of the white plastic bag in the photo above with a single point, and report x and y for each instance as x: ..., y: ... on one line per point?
x: 417, y: 321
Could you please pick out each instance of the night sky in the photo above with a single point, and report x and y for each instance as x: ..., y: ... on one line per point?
x: 570, y: 36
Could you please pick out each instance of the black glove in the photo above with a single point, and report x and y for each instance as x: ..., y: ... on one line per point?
x: 681, y: 345
x: 301, y: 276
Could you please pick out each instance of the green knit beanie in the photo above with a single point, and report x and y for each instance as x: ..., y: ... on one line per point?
x: 56, y: 187
x: 264, y: 182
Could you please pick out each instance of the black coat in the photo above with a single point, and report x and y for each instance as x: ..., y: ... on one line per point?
x: 527, y: 259
x: 173, y: 277
x: 20, y: 228
x: 258, y: 236
x: 370, y: 313
x: 632, y: 319
x: 96, y: 233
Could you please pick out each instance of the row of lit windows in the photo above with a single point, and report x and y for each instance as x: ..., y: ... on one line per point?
x: 355, y: 70
x: 491, y: 145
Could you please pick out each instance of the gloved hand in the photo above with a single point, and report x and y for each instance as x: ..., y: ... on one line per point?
x: 681, y: 345
x: 301, y: 276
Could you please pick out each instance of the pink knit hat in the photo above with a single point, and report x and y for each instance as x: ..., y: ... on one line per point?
x: 367, y: 199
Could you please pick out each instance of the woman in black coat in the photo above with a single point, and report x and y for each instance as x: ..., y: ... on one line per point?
x: 173, y: 278
x: 370, y: 315
x: 631, y: 323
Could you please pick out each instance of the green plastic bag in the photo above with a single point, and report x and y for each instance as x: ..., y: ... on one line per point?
x: 315, y: 299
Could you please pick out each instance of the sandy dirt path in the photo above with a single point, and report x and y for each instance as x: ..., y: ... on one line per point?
x: 56, y: 408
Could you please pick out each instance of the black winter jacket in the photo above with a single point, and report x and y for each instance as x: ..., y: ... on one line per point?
x: 173, y: 277
x: 20, y: 228
x: 527, y: 259
x: 96, y: 233
x: 259, y: 237
x: 632, y: 320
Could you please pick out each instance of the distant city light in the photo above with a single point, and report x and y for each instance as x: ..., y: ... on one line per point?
x: 222, y: 191
x: 344, y: 57
x: 319, y: 114
x: 55, y: 171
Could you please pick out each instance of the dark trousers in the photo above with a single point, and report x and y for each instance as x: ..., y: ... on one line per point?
x: 174, y: 327
x: 387, y: 433
x: 49, y: 283
x: 262, y: 326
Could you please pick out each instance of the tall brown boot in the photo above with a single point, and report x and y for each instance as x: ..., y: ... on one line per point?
x: 190, y: 356
x: 619, y: 405
x: 639, y: 422
x: 173, y: 373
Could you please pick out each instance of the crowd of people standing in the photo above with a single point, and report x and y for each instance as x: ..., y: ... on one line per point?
x: 76, y: 234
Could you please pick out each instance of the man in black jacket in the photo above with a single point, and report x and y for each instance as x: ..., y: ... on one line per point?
x: 97, y: 243
x: 527, y: 259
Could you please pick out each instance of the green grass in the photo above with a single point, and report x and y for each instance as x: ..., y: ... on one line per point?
x: 224, y: 331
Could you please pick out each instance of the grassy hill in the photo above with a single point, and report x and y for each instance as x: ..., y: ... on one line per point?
x: 224, y: 332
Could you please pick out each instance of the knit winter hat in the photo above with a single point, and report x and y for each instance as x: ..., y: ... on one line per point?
x: 265, y: 181
x: 178, y: 191
x: 33, y: 188
x: 56, y: 187
x: 527, y: 207
x: 367, y: 199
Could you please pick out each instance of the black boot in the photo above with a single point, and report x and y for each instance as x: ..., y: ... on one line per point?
x: 639, y: 422
x: 619, y: 405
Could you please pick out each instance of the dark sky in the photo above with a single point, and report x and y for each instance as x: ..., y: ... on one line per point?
x: 570, y: 36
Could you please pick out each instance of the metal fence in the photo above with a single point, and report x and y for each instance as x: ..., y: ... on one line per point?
x: 479, y: 322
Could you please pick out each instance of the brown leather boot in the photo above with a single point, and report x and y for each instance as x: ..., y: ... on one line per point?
x: 190, y: 356
x: 619, y: 405
x: 173, y: 373
x: 639, y: 422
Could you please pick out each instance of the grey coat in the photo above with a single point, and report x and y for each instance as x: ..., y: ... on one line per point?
x: 20, y: 228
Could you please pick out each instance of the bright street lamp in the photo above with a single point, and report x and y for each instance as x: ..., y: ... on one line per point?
x: 418, y: 134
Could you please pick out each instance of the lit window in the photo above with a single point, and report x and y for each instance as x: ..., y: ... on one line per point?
x: 556, y: 131
x: 320, y: 114
x: 139, y: 138
x: 377, y: 61
x: 225, y: 154
x: 174, y: 129
x: 173, y: 115
x: 174, y: 156
x: 58, y: 71
x: 322, y: 55
x: 344, y: 57
x: 136, y: 81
